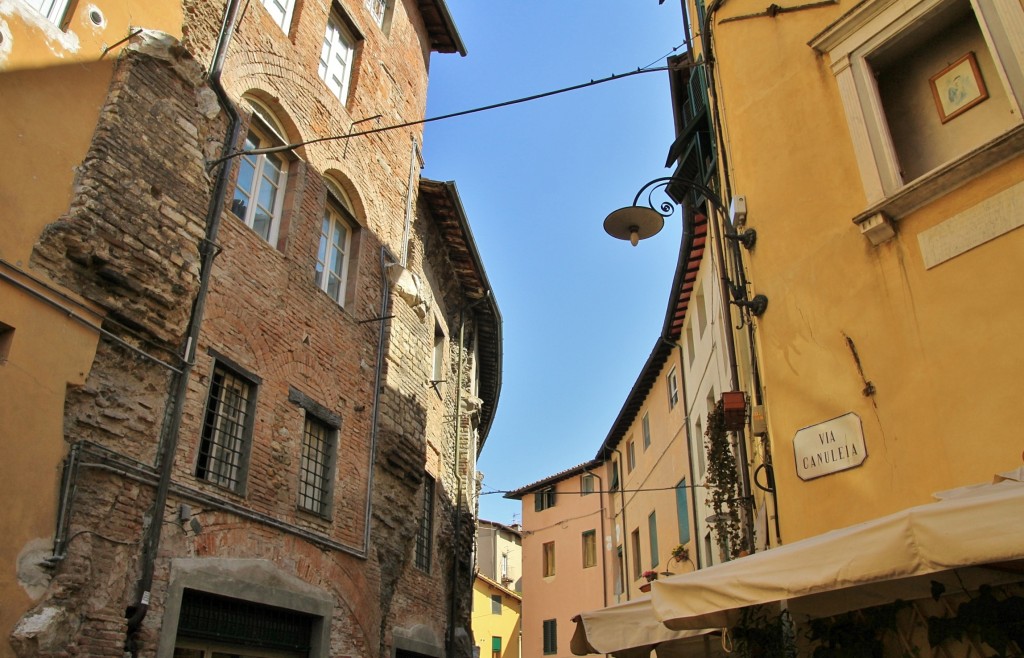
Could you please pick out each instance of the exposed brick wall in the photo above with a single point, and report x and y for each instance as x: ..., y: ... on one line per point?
x: 131, y: 242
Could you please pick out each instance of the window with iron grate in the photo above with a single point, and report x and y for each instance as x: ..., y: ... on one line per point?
x: 227, y: 429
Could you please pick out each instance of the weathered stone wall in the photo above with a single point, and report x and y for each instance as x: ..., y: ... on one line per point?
x: 131, y: 242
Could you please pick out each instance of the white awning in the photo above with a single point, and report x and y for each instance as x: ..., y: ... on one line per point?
x: 978, y: 531
x: 630, y: 630
x: 972, y: 536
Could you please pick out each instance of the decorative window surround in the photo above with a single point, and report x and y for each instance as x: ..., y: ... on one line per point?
x: 875, y: 24
x: 876, y: 222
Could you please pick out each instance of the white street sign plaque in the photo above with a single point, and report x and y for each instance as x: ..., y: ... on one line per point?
x: 829, y: 447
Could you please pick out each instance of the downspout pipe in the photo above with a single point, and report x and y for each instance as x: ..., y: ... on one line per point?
x: 378, y: 375
x: 136, y: 612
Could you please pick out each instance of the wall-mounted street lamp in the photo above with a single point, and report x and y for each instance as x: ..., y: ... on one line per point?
x: 637, y: 222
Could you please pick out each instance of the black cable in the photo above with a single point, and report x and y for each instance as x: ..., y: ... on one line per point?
x: 452, y: 115
x: 685, y: 486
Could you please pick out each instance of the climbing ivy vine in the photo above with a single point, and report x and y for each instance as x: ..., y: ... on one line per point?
x: 722, y: 481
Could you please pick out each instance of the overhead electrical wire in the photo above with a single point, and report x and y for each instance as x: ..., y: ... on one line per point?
x: 451, y: 115
x: 598, y: 491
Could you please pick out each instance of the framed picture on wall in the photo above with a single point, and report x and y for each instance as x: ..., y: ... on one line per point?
x: 958, y: 87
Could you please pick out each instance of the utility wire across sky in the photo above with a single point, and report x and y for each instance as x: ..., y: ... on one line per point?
x: 452, y: 115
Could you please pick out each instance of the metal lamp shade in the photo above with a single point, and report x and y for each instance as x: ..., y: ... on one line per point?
x: 624, y: 222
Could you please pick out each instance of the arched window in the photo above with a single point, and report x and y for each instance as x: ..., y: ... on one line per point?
x: 334, y: 254
x: 259, y: 189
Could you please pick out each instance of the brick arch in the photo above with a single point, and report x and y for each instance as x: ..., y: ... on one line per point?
x: 280, y: 114
x: 343, y: 181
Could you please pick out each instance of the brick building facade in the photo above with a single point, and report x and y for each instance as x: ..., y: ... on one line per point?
x: 296, y: 355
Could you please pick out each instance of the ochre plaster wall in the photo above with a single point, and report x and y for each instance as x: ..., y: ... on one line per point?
x: 939, y: 345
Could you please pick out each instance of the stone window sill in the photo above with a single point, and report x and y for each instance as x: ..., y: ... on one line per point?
x: 877, y: 222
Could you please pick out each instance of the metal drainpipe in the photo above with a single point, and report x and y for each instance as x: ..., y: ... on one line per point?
x: 169, y: 440
x: 604, y: 565
x: 385, y: 300
x: 625, y: 528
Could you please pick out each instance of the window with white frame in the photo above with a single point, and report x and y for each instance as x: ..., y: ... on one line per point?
x: 260, y: 186
x: 379, y: 9
x: 337, y: 56
x: 281, y: 12
x: 645, y: 424
x: 586, y: 484
x: 900, y: 67
x: 672, y: 381
x: 333, y: 256
x: 630, y: 456
x: 53, y: 9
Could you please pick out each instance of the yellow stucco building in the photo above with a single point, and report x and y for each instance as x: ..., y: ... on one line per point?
x: 497, y: 619
x: 886, y: 214
x: 862, y: 163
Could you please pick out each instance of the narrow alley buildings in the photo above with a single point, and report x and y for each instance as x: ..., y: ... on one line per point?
x: 243, y: 386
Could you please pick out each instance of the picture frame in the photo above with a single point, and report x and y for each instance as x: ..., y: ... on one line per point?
x: 958, y: 87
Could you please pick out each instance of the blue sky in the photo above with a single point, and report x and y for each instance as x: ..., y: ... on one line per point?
x: 581, y: 310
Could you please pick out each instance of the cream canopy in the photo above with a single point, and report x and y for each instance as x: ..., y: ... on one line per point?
x: 970, y: 537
